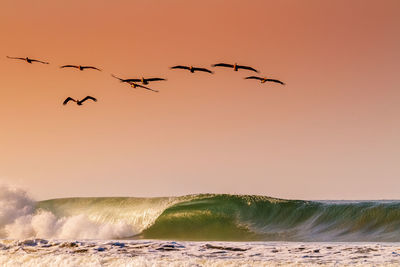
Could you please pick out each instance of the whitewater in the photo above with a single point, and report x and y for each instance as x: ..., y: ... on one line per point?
x: 196, y: 230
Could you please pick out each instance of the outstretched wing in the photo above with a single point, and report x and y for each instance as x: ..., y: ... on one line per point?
x: 121, y: 80
x: 16, y: 58
x: 223, y: 65
x: 131, y: 80
x: 202, y: 69
x: 147, y: 88
x: 155, y: 79
x: 253, y: 78
x: 275, y: 81
x: 89, y: 97
x: 35, y: 60
x: 69, y: 66
x: 180, y: 67
x: 126, y: 80
x: 68, y: 99
x: 246, y: 68
x: 90, y: 67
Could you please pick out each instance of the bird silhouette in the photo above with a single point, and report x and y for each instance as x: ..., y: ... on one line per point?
x: 235, y: 66
x: 29, y: 60
x: 191, y: 69
x: 263, y: 79
x: 79, y: 102
x: 142, y: 80
x: 80, y: 67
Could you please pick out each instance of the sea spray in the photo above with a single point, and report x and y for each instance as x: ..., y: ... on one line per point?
x: 15, y: 205
x: 81, y: 218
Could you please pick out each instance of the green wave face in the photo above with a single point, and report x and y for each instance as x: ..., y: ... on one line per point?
x: 227, y: 217
x: 241, y: 218
x: 204, y: 218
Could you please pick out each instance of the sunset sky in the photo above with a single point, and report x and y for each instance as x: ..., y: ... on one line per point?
x: 333, y: 132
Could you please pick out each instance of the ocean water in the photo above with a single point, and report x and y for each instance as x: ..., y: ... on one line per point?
x: 40, y: 252
x: 196, y: 230
x: 206, y: 217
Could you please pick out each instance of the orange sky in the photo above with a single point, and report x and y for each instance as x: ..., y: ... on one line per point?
x: 331, y: 133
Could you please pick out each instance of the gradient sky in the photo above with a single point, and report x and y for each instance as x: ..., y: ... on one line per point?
x: 331, y: 133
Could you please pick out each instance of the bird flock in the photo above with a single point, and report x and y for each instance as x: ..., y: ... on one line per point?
x: 134, y: 82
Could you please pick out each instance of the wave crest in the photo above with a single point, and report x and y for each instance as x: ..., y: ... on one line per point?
x: 197, y: 217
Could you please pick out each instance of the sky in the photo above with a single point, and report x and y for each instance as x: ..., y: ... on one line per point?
x: 332, y: 132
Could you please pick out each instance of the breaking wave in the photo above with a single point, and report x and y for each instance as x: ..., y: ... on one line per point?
x: 198, y: 217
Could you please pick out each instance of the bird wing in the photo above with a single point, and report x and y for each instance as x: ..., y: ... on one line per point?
x: 246, y: 68
x: 89, y: 97
x: 144, y: 87
x: 68, y: 99
x: 202, y: 69
x: 155, y: 79
x: 131, y: 80
x: 90, y: 67
x: 180, y: 67
x: 16, y: 58
x: 222, y: 65
x: 253, y: 77
x: 275, y: 81
x: 117, y: 77
x: 69, y: 66
x: 35, y: 60
x: 126, y: 80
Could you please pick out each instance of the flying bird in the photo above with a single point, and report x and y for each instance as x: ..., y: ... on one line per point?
x: 191, y: 69
x: 134, y: 85
x: 142, y: 80
x: 29, y: 60
x: 79, y: 102
x: 263, y: 79
x: 80, y: 67
x: 235, y: 66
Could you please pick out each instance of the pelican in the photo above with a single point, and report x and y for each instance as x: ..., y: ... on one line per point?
x: 191, y: 69
x: 235, y: 66
x: 29, y: 60
x: 79, y: 102
x: 134, y: 85
x: 142, y: 80
x: 80, y: 67
x: 263, y: 79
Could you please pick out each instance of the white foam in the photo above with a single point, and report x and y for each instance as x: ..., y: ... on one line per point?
x: 19, y: 220
x: 167, y: 253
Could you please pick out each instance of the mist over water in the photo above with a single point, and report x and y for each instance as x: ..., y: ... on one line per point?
x: 197, y: 217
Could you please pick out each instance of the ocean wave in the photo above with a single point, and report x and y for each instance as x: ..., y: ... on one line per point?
x: 198, y: 217
x: 230, y: 217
